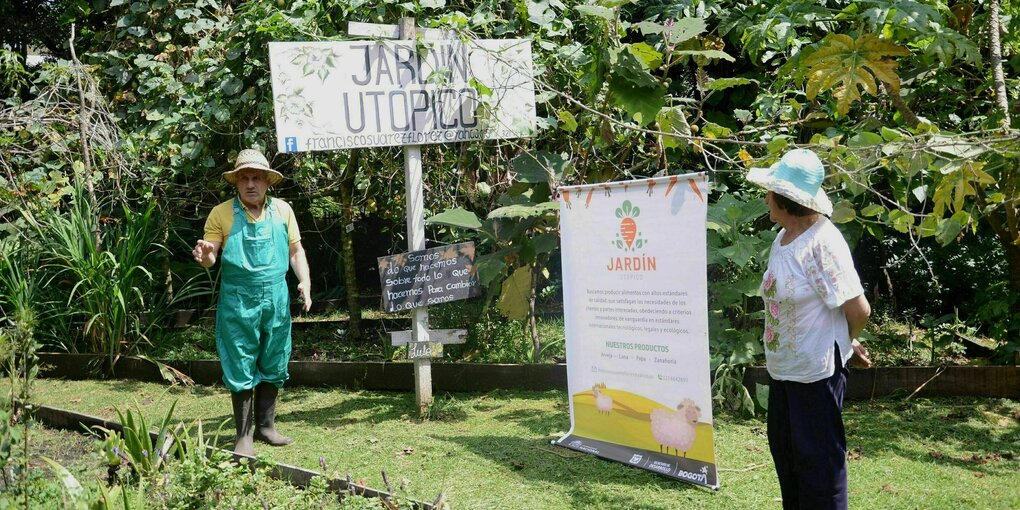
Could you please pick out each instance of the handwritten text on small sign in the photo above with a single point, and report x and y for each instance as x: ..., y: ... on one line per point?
x: 424, y: 350
x: 428, y: 277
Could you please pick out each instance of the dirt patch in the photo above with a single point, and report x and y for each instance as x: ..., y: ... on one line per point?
x: 74, y: 451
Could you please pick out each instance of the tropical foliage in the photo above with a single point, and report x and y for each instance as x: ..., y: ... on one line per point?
x: 169, y: 91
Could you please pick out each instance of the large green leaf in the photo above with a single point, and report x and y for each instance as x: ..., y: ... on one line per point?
x: 673, y: 120
x: 949, y: 229
x: 729, y: 214
x: 456, y: 217
x: 761, y: 395
x: 749, y: 285
x: 546, y: 243
x: 948, y: 44
x: 567, y: 121
x: 901, y: 221
x: 677, y: 32
x: 865, y: 139
x: 540, y: 166
x: 126, y: 21
x: 713, y: 130
x: 628, y: 65
x: 873, y: 210
x: 597, y: 10
x: 648, y: 55
x: 707, y: 54
x: 643, y: 104
x: 523, y: 210
x: 740, y: 252
x: 491, y: 265
x: 515, y: 294
x: 725, y: 83
x: 540, y: 13
x: 843, y: 212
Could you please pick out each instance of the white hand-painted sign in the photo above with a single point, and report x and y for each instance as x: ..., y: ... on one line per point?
x: 343, y: 95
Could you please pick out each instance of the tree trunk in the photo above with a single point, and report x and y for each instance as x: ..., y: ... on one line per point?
x: 995, y: 60
x: 901, y: 106
x: 1013, y: 323
x: 1005, y: 222
x: 1010, y: 237
x: 347, y: 245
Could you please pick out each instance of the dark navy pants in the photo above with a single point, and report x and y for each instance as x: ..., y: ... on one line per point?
x: 808, y: 442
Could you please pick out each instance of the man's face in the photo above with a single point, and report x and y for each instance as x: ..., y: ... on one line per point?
x: 252, y: 186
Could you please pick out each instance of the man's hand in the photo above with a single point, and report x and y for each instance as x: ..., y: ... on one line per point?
x: 299, y: 262
x: 860, y: 359
x: 205, y: 252
x: 305, y: 290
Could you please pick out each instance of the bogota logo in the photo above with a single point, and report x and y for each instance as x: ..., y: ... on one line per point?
x: 629, y: 239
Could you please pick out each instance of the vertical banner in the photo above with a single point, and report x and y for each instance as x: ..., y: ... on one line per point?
x: 636, y: 314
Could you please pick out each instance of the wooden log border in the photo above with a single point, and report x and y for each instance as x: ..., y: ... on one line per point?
x: 986, y: 381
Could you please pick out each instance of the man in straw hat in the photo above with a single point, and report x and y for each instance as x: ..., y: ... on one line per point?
x: 814, y: 309
x: 260, y: 239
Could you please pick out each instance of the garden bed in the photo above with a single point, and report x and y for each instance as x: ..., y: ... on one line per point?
x: 75, y: 422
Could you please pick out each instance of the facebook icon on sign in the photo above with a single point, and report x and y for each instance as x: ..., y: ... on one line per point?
x: 290, y: 144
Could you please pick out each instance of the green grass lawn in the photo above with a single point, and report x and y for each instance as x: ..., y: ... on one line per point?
x: 492, y: 450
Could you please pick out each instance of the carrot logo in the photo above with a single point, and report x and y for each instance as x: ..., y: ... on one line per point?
x: 628, y: 239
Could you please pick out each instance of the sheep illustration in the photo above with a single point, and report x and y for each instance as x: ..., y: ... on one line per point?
x: 604, y: 403
x: 676, y: 429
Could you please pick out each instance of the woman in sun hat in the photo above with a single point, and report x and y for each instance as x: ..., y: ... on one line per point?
x: 260, y: 239
x: 814, y: 309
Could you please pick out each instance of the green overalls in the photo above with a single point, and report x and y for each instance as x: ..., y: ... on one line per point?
x: 253, y: 314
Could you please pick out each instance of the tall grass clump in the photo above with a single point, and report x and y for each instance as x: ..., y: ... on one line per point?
x: 98, y: 266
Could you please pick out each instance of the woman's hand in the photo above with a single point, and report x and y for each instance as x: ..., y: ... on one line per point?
x: 861, y: 358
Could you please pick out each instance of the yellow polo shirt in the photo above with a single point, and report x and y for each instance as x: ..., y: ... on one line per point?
x: 221, y: 220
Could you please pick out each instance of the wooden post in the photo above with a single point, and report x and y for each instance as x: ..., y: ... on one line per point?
x: 415, y: 242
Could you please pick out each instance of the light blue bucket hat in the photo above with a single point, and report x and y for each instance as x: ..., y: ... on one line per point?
x: 798, y: 175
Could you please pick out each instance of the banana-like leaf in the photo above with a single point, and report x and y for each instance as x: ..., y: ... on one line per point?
x: 514, y: 296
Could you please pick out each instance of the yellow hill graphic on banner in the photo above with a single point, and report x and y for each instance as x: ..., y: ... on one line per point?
x: 636, y: 421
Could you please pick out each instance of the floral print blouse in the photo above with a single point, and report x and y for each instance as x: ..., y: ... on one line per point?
x: 804, y: 287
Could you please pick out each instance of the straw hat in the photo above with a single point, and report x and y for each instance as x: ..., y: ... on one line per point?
x: 251, y: 158
x: 798, y: 175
